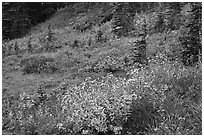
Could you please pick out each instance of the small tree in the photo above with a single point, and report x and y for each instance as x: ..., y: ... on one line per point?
x: 139, y: 49
x: 49, y: 35
x: 41, y: 94
x: 89, y: 42
x: 171, y: 14
x: 10, y: 49
x: 99, y: 36
x: 30, y: 48
x: 48, y: 38
x: 122, y: 21
x: 16, y: 48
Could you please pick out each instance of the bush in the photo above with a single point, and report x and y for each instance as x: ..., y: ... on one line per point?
x: 107, y: 31
x: 171, y: 86
x: 38, y: 65
x: 83, y: 26
x: 148, y: 103
x: 104, y: 32
x: 96, y: 106
x: 29, y: 115
x: 109, y: 63
x: 86, y: 110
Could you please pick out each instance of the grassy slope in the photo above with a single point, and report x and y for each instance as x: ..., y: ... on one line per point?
x: 62, y: 21
x: 71, y: 61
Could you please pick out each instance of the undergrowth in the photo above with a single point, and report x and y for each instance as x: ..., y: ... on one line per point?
x: 38, y: 64
x: 152, y: 101
x: 162, y: 98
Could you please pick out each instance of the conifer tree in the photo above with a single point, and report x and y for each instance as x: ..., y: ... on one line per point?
x: 48, y: 38
x: 192, y: 41
x: 16, y: 48
x: 122, y: 20
x: 99, y: 36
x: 139, y: 49
x: 89, y: 42
x: 172, y: 11
x: 30, y: 48
x: 10, y: 49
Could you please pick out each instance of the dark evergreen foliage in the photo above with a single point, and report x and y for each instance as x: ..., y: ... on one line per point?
x: 124, y: 14
x: 49, y: 38
x: 30, y: 48
x: 192, y: 41
x: 139, y: 51
x: 122, y: 20
x: 99, y: 36
x: 171, y: 15
x: 89, y: 42
x: 19, y: 17
x: 140, y: 47
x: 16, y: 48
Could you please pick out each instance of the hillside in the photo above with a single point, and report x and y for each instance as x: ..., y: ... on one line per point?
x: 83, y: 71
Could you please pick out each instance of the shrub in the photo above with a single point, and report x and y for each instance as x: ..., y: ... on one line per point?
x: 28, y: 115
x: 96, y: 105
x: 99, y: 35
x: 84, y: 26
x: 104, y: 32
x: 38, y: 65
x: 109, y: 63
x: 143, y: 114
x: 107, y: 31
x: 86, y: 110
x: 148, y: 103
x: 177, y: 91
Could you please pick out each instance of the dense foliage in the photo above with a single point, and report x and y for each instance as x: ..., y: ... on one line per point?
x: 102, y: 68
x: 162, y: 99
x: 192, y: 39
x: 37, y: 65
x: 19, y: 17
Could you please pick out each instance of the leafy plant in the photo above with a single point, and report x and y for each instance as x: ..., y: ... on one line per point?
x: 148, y: 103
x: 38, y: 65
